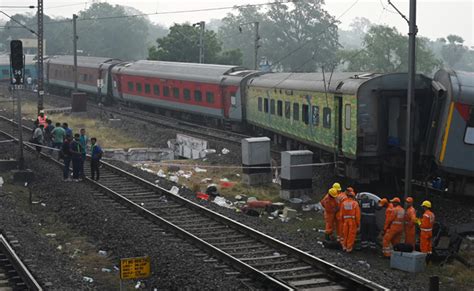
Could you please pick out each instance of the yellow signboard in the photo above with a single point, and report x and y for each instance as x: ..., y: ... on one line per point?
x: 134, y: 268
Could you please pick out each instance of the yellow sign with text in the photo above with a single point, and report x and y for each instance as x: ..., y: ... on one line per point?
x: 134, y: 268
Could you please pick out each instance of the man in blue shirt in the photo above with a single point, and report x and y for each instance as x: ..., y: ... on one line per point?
x: 96, y: 155
x: 83, y: 140
x: 67, y: 129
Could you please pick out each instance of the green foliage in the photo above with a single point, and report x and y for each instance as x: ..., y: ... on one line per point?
x: 453, y: 51
x: 386, y: 50
x: 182, y: 45
x: 294, y: 36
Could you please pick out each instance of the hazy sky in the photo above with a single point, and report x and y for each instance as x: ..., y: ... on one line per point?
x: 435, y: 18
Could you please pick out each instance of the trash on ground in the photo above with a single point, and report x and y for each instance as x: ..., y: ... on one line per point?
x: 87, y: 279
x: 106, y: 270
x: 199, y: 170
x: 51, y: 235
x: 224, y: 180
x: 202, y: 196
x: 43, y: 204
x: 240, y: 197
x: 225, y: 151
x: 174, y: 190
x: 206, y: 180
x: 211, y: 190
x: 210, y: 151
x: 221, y: 201
x: 174, y: 179
x: 102, y: 253
x: 289, y: 213
x: 227, y: 184
x: 60, y: 247
x: 161, y: 174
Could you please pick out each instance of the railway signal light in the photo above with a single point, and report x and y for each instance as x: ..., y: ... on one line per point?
x: 17, y: 62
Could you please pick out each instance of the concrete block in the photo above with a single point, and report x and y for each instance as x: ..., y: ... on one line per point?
x: 23, y: 176
x: 295, y: 193
x: 8, y: 165
x: 257, y: 179
x: 256, y: 151
x: 290, y: 159
x: 410, y: 262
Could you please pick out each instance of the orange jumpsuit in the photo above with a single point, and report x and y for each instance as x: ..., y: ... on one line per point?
x: 426, y: 231
x: 410, y: 220
x: 330, y: 208
x: 339, y: 222
x: 350, y: 213
x: 393, y: 229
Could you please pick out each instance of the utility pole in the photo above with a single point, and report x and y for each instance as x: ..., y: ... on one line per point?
x: 410, y: 96
x: 413, y: 30
x: 257, y: 45
x: 201, y: 42
x: 74, y: 47
x: 40, y: 56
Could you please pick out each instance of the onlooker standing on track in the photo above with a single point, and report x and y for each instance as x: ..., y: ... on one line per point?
x: 368, y: 227
x: 350, y: 213
x: 410, y: 221
x: 38, y: 138
x: 426, y: 228
x: 76, y: 158
x: 329, y: 204
x: 58, y: 134
x: 96, y: 155
x: 83, y: 140
x: 48, y: 137
x: 67, y: 129
x: 66, y: 155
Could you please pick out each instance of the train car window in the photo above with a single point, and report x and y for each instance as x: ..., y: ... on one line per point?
x: 130, y: 86
x: 139, y: 87
x: 327, y: 117
x: 209, y: 97
x: 197, y: 95
x: 147, y: 88
x: 288, y: 109
x: 280, y: 108
x: 469, y: 135
x: 296, y: 111
x: 272, y: 106
x: 265, y: 105
x: 315, y: 116
x: 84, y: 77
x: 260, y: 104
x: 7, y: 72
x: 348, y: 117
x: 305, y: 113
x: 187, y: 94
x: 156, y: 90
x: 175, y: 92
x: 166, y: 91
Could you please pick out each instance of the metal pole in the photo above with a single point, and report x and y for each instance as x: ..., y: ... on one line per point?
x: 257, y: 46
x: 74, y: 47
x: 410, y: 96
x: 21, y: 159
x: 202, y: 25
x: 40, y: 56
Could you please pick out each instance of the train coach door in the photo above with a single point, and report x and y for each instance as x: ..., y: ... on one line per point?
x: 226, y: 100
x: 338, y: 122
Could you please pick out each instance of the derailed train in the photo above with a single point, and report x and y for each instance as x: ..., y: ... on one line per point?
x: 355, y: 119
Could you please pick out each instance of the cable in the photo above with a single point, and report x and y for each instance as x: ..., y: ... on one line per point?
x: 66, y: 5
x: 21, y: 24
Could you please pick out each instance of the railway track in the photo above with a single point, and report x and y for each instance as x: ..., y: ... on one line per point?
x: 275, y: 265
x: 13, y: 273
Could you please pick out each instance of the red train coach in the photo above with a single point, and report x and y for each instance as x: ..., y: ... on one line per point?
x: 204, y: 90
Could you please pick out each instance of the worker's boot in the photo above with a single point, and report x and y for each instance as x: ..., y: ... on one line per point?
x: 328, y: 237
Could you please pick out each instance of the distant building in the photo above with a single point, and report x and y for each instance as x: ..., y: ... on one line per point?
x: 30, y: 46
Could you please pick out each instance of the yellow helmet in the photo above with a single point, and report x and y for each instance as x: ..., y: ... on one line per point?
x: 333, y: 192
x: 426, y: 203
x: 337, y: 186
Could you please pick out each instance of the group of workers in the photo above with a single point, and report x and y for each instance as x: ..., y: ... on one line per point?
x: 345, y: 214
x: 72, y: 148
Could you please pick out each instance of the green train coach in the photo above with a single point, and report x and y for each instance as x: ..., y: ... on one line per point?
x: 359, y: 118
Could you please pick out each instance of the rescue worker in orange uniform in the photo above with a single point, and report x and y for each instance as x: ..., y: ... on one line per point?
x: 410, y: 221
x: 426, y: 228
x: 350, y: 212
x: 42, y: 119
x: 393, y: 229
x: 341, y: 196
x: 330, y: 209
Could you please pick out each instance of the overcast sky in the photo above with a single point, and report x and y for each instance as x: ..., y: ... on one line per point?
x: 436, y: 18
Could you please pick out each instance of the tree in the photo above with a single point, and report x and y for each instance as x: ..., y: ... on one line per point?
x: 386, y: 50
x: 453, y: 51
x: 182, y: 45
x: 119, y: 36
x: 299, y: 36
x: 352, y: 39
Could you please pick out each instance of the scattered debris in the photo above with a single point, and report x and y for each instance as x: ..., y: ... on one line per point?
x: 199, y: 170
x: 51, y: 235
x: 364, y: 263
x: 221, y: 201
x: 102, y: 253
x: 202, y: 196
x: 87, y: 279
x: 60, y: 247
x: 174, y: 179
x: 211, y: 190
x: 225, y: 151
x: 105, y: 270
x: 206, y: 180
x: 43, y: 204
x: 161, y: 174
x: 174, y: 190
